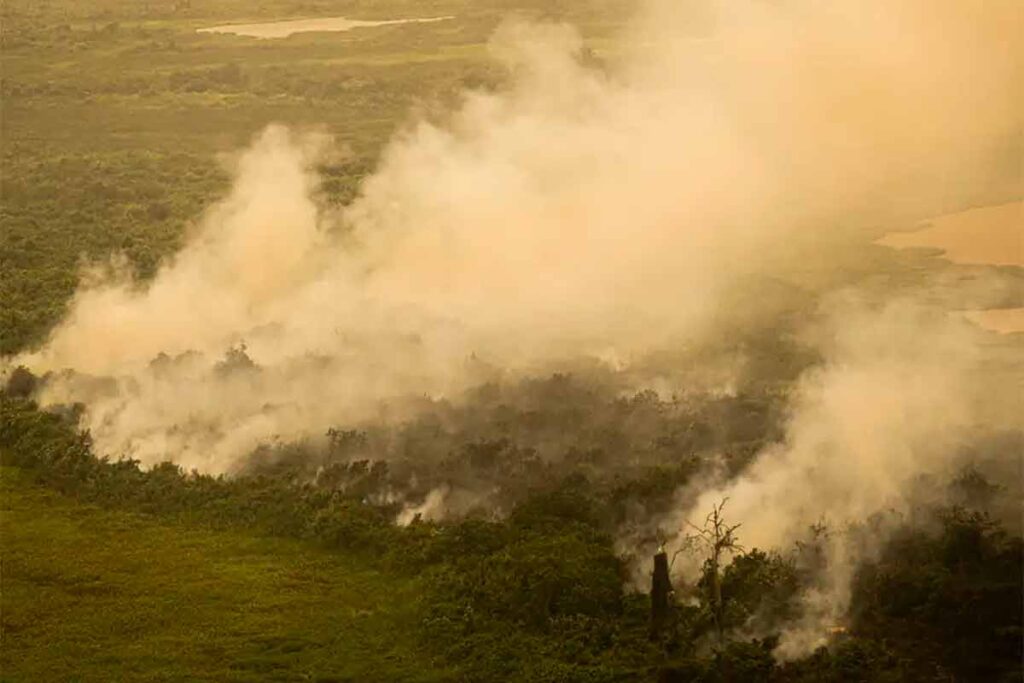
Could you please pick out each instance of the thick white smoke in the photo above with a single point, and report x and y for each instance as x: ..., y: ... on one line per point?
x: 899, y: 397
x: 585, y: 211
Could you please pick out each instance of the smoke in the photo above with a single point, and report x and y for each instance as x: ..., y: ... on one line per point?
x: 588, y: 212
x: 899, y: 397
x: 883, y: 409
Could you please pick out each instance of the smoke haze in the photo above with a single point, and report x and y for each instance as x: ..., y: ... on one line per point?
x: 602, y: 212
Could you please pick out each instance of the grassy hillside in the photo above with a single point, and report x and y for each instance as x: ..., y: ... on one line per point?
x: 99, y: 595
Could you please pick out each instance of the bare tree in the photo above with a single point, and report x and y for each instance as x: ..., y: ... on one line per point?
x: 715, y: 537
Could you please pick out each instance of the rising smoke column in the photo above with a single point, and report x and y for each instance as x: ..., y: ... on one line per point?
x: 575, y: 212
x: 586, y: 212
x: 896, y: 398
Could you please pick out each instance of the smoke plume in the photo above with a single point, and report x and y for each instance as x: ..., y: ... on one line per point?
x: 885, y: 409
x: 589, y: 211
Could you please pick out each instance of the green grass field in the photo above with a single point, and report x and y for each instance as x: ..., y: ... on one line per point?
x: 96, y: 595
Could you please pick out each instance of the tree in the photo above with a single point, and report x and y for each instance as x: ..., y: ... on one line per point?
x: 661, y: 593
x: 21, y: 383
x: 716, y: 537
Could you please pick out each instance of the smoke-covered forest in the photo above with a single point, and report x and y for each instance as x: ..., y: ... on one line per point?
x: 540, y: 341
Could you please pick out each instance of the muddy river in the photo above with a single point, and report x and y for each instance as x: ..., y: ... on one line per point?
x: 283, y: 29
x: 991, y: 235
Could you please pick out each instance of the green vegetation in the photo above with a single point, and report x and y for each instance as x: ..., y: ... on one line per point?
x: 538, y: 596
x: 98, y: 595
x: 114, y: 113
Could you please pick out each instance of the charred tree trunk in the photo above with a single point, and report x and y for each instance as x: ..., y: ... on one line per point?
x: 661, y: 593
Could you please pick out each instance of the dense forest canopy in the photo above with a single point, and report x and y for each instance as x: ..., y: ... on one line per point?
x: 496, y: 310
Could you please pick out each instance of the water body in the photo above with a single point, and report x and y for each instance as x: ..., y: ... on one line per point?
x: 1002, y: 320
x: 992, y: 235
x: 283, y: 29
